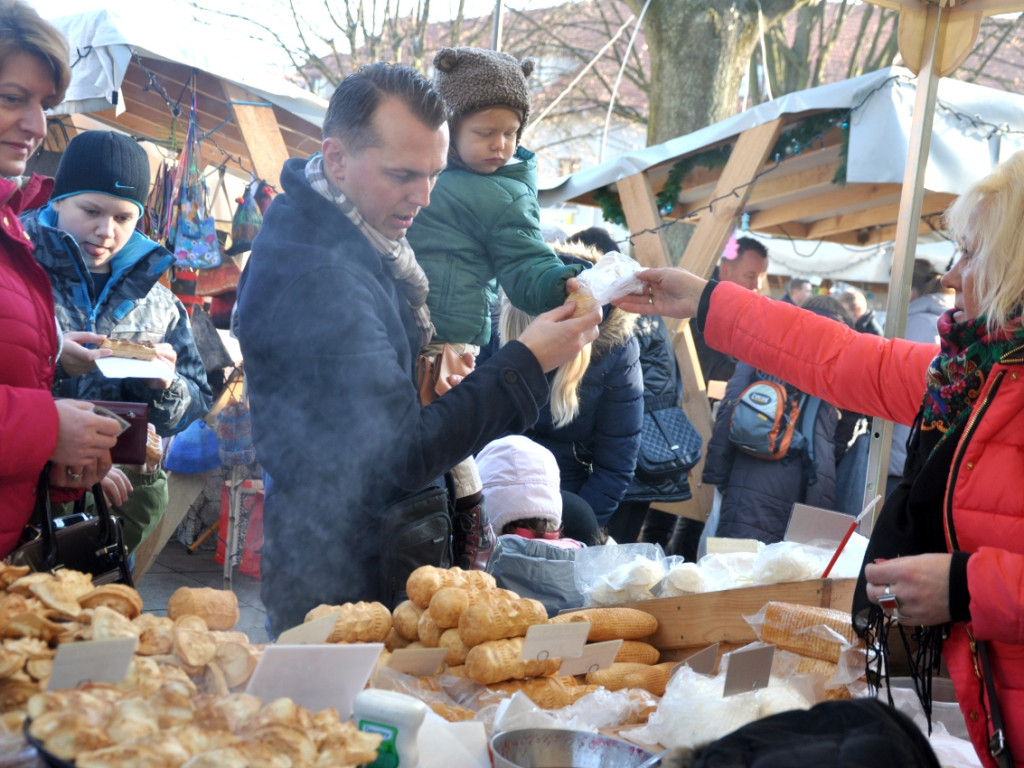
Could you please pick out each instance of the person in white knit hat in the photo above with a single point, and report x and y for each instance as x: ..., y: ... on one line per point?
x: 521, y: 483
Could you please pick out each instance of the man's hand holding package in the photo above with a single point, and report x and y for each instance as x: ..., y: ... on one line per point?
x: 557, y: 336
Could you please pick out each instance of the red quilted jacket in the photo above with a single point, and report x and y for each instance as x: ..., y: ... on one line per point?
x: 984, y: 507
x: 28, y: 349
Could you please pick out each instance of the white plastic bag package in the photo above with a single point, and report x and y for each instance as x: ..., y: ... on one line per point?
x: 613, y: 277
x: 621, y: 573
x: 728, y: 570
x: 693, y: 710
x: 682, y: 579
x: 787, y: 561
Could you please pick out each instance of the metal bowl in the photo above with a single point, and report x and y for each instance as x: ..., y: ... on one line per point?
x: 555, y: 748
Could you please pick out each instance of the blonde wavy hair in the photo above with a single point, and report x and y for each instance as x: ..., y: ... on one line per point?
x: 986, y: 222
x: 565, y: 401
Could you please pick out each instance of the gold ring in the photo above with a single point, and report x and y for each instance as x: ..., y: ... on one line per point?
x: 650, y: 293
x: 73, y: 475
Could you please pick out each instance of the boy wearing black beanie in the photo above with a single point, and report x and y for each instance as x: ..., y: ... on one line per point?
x: 105, y: 278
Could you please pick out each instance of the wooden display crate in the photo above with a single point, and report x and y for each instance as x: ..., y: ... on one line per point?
x: 692, y: 622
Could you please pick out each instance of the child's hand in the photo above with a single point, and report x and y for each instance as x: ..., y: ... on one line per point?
x: 571, y: 286
x: 470, y: 360
x: 77, y: 359
x: 166, y: 354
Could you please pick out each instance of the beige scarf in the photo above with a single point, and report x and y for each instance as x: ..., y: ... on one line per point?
x: 397, y: 254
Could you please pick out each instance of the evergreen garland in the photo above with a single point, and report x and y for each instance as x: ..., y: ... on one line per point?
x: 791, y: 143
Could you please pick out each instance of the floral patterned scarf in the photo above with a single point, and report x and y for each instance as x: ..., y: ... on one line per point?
x: 957, y: 375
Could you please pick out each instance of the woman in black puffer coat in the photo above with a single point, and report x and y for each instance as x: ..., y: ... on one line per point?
x: 596, y: 447
x: 663, y: 388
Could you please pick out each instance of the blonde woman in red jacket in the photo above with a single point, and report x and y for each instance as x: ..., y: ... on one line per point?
x: 34, y: 429
x: 949, y: 542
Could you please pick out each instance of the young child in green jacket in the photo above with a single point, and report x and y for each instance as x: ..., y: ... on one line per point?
x: 482, y: 227
x: 482, y: 230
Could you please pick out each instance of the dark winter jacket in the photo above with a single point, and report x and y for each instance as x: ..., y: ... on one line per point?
x: 133, y: 305
x: 596, y: 451
x: 330, y: 348
x: 479, y: 231
x: 663, y: 388
x: 758, y: 494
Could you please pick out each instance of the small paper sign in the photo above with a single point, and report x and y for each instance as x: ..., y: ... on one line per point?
x: 313, y: 632
x: 702, y: 662
x: 749, y: 669
x: 421, y: 662
x: 315, y: 676
x: 125, y: 368
x: 595, y: 656
x: 809, y: 524
x: 92, y: 661
x: 555, y: 641
x: 722, y: 545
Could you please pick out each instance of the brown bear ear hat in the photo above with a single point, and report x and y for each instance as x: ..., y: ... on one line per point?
x: 471, y: 79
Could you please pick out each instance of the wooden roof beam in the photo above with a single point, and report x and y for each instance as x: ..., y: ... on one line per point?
x: 881, y: 216
x: 848, y: 199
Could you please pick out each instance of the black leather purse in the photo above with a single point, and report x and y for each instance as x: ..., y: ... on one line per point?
x: 90, y: 543
x: 670, y: 446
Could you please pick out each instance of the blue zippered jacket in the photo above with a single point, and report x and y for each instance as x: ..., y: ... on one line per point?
x: 133, y: 305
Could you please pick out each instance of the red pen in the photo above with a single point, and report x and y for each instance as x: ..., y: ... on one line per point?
x: 849, y: 533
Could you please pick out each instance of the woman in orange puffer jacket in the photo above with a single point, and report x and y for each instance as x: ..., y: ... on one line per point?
x: 949, y: 542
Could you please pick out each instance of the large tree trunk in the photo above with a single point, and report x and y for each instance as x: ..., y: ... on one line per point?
x: 699, y: 52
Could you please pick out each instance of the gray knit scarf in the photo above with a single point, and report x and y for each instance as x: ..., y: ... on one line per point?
x: 397, y: 254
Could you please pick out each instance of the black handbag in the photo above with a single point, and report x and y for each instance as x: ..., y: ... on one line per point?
x: 670, y: 446
x: 90, y: 543
x: 414, y: 530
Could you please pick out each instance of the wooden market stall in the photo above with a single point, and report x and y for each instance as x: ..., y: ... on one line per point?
x: 130, y: 77
x: 826, y: 164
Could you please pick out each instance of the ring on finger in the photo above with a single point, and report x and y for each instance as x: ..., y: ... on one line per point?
x: 889, y: 601
x: 72, y: 475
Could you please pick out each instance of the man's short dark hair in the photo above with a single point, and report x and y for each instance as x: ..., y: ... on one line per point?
x: 598, y: 237
x: 354, y: 102
x: 750, y: 244
x: 797, y: 283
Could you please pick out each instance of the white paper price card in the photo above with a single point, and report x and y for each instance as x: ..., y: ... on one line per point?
x: 315, y: 676
x: 595, y: 656
x: 809, y: 524
x: 421, y: 662
x: 555, y: 641
x: 313, y: 632
x: 702, y: 662
x: 748, y: 669
x: 93, y: 661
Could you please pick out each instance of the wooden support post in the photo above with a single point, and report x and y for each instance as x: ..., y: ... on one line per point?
x: 642, y: 215
x: 261, y: 133
x: 907, y: 223
x: 729, y: 197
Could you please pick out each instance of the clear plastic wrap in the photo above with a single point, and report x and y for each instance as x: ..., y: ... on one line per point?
x: 612, y: 277
x: 619, y: 574
x: 694, y: 711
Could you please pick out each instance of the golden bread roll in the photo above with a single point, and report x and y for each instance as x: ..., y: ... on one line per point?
x: 217, y: 607
x: 584, y: 302
x: 360, y: 622
x: 429, y: 632
x: 796, y: 628
x: 546, y: 692
x: 638, y: 652
x: 406, y: 619
x: 498, y: 660
x: 427, y: 579
x: 452, y: 642
x: 448, y: 603
x: 394, y: 640
x: 631, y: 675
x: 499, y: 618
x: 612, y: 623
x: 453, y: 713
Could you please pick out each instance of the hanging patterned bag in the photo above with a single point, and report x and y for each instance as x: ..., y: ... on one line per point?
x: 195, y: 232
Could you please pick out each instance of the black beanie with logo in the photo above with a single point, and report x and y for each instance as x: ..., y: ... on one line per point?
x: 103, y: 161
